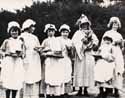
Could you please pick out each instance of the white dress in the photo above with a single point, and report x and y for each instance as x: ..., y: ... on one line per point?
x: 104, y: 68
x: 84, y: 61
x: 66, y: 61
x: 32, y: 65
x: 12, y: 74
x: 54, y: 70
x: 66, y: 45
x: 32, y: 61
x: 119, y: 61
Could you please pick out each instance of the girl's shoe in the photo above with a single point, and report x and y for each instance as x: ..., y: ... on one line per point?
x: 73, y: 93
x: 116, y: 93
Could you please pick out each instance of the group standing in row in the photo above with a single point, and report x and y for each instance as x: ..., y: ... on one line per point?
x: 68, y: 63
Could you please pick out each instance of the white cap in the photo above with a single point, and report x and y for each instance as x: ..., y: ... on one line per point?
x: 112, y: 20
x: 27, y: 23
x: 64, y: 26
x: 50, y: 26
x: 12, y: 24
x: 83, y: 19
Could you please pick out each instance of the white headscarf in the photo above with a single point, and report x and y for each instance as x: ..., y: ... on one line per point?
x: 112, y: 20
x: 49, y: 26
x: 28, y: 23
x: 83, y: 19
x: 64, y: 26
x: 12, y: 24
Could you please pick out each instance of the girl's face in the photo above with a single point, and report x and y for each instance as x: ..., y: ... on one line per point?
x: 84, y: 26
x: 51, y: 32
x: 65, y: 33
x: 115, y: 25
x: 107, y: 42
x: 14, y: 33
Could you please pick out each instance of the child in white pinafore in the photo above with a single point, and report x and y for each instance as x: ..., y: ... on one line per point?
x: 115, y: 24
x: 32, y: 62
x: 12, y: 74
x: 105, y: 66
x: 54, y: 73
x: 66, y: 45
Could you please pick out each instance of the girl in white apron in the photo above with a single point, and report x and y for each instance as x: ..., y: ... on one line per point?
x: 84, y: 41
x: 32, y: 62
x: 115, y: 24
x: 54, y: 73
x: 66, y: 45
x: 105, y: 66
x: 12, y: 74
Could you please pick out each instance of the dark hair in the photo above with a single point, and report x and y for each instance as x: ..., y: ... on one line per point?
x: 108, y: 39
x: 50, y: 29
x: 64, y: 30
x: 111, y: 24
x: 15, y: 28
x: 32, y: 25
x: 28, y: 28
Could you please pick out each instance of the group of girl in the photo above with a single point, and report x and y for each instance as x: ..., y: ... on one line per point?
x: 69, y: 65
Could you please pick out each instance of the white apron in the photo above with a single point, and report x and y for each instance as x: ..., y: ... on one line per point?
x: 12, y: 74
x: 32, y: 61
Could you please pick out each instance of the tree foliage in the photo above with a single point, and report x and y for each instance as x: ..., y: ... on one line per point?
x: 63, y: 11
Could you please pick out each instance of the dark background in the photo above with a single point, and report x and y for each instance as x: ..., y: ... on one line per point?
x: 64, y: 11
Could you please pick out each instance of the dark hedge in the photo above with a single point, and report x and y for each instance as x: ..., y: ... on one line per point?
x: 64, y: 12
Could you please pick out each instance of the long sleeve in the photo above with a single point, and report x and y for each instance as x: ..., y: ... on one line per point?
x: 23, y: 49
x: 44, y: 44
x: 77, y: 43
x: 119, y: 60
x: 37, y: 42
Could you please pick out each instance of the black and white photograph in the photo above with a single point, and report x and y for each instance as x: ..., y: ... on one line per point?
x: 62, y: 49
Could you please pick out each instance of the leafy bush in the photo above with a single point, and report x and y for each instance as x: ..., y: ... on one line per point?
x: 64, y: 12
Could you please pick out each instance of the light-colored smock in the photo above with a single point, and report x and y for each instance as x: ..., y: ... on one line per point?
x: 12, y: 74
x: 54, y: 73
x: 119, y: 61
x: 32, y: 61
x: 84, y: 62
x: 105, y: 66
x: 66, y: 61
